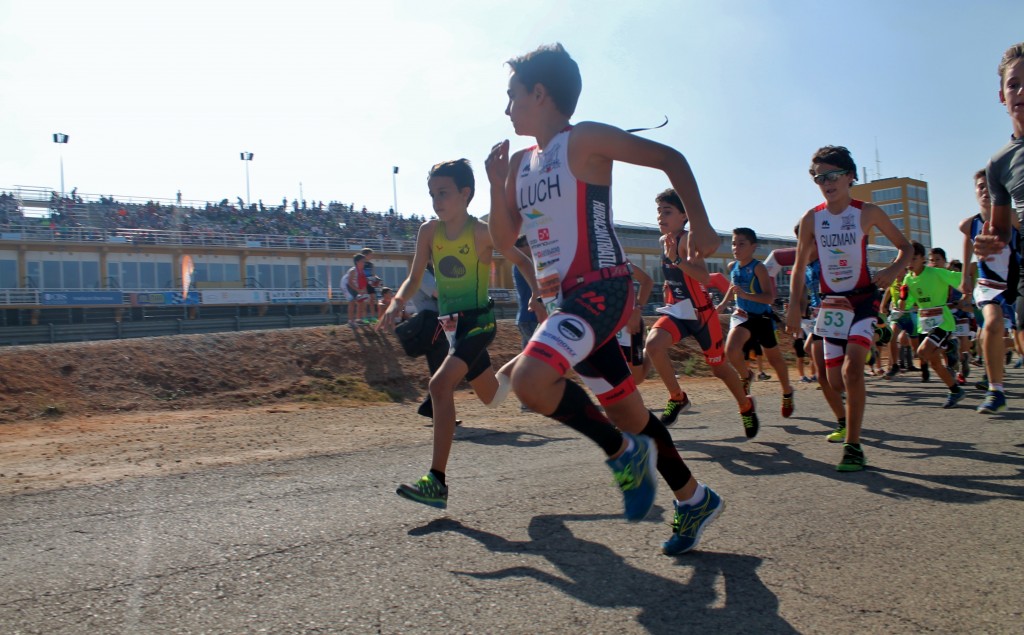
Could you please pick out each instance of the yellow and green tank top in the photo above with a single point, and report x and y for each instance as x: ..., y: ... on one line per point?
x: 462, y: 280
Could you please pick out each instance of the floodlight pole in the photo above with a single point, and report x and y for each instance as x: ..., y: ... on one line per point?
x: 394, y: 188
x: 246, y: 157
x: 61, y: 138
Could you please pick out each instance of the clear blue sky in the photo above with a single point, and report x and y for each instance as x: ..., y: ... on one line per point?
x: 162, y: 96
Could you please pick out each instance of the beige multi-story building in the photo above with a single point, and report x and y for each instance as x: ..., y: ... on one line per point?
x: 905, y: 200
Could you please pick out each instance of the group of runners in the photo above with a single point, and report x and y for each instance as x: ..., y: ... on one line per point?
x: 557, y: 195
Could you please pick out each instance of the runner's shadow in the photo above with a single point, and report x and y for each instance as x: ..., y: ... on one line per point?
x: 592, y: 573
x: 484, y: 436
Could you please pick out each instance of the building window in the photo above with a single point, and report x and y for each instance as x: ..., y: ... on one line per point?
x: 892, y: 209
x: 888, y: 194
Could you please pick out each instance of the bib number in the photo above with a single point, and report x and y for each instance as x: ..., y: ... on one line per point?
x: 682, y: 310
x: 928, y: 319
x: 987, y: 291
x: 834, y: 318
x: 739, y: 316
x: 449, y: 324
x: 963, y: 327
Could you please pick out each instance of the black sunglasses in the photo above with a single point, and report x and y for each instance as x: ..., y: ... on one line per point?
x: 831, y: 177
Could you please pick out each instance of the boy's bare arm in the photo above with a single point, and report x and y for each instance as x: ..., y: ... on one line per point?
x: 411, y: 283
x: 504, y: 223
x: 875, y: 217
x: 594, y: 147
x: 967, y: 284
x: 797, y: 282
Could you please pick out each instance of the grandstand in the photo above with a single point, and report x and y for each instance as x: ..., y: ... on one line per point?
x: 102, y: 259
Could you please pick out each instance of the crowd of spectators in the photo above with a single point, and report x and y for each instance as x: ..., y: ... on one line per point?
x: 300, y: 219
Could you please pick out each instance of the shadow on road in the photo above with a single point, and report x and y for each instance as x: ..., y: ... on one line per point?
x: 775, y: 459
x: 484, y: 436
x: 594, y: 574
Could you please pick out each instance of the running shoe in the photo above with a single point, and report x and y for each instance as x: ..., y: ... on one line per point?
x: 953, y: 398
x: 995, y: 401
x: 763, y: 376
x: 747, y: 381
x: 428, y: 490
x: 806, y: 380
x: 838, y: 435
x: 690, y: 521
x: 983, y: 384
x: 673, y: 408
x: 634, y: 473
x: 751, y: 424
x: 787, y: 406
x: 1019, y: 363
x: 853, y: 459
x: 892, y: 372
x: 961, y: 380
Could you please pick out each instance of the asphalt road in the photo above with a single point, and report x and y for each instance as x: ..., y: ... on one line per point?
x: 928, y: 540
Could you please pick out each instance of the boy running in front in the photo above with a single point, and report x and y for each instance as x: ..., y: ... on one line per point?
x: 836, y: 233
x: 689, y: 312
x: 558, y: 193
x: 461, y: 248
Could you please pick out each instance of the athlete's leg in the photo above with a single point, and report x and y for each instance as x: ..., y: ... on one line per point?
x: 935, y: 355
x: 659, y: 340
x: 738, y: 338
x: 992, y: 346
x: 852, y: 372
x: 442, y: 395
x: 833, y: 397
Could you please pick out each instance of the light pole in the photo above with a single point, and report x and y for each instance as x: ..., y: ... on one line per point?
x: 60, y: 138
x: 247, y: 157
x: 394, y: 188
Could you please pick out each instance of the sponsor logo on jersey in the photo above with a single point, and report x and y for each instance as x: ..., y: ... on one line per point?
x: 843, y: 262
x: 544, y: 233
x: 451, y: 267
x: 606, y: 252
x: 464, y: 249
x: 847, y: 222
x: 825, y: 224
x: 836, y: 252
x: 551, y: 161
x: 571, y: 329
x: 533, y: 214
x: 840, y: 279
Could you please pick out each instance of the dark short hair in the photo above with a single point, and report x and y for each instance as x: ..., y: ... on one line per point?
x: 669, y: 196
x: 1011, y: 55
x: 745, y: 232
x: 980, y: 174
x: 956, y: 265
x: 939, y: 251
x: 838, y: 156
x: 918, y: 248
x: 553, y: 68
x: 358, y: 257
x: 459, y: 171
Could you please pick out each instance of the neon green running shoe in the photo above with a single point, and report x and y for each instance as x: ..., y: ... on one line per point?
x: 838, y: 435
x: 428, y: 490
x: 853, y: 459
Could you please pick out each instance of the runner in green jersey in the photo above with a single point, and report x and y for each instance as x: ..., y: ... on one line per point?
x: 928, y: 288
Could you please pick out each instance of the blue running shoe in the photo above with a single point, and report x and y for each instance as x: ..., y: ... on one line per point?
x: 636, y: 476
x: 995, y: 401
x: 954, y: 398
x: 428, y: 490
x: 690, y: 521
